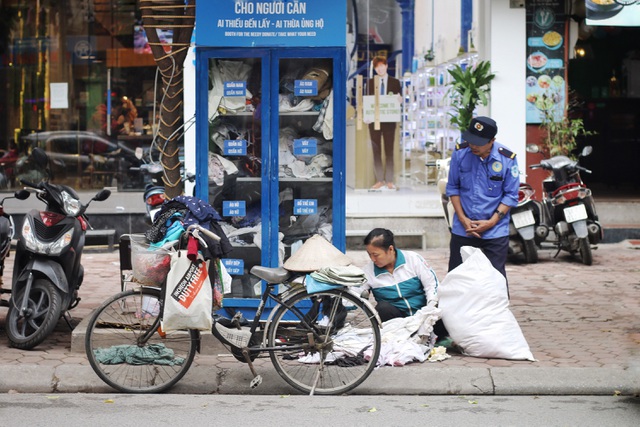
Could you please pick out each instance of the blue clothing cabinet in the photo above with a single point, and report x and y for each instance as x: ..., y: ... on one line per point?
x: 270, y: 153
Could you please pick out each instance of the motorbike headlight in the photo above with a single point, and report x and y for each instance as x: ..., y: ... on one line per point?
x: 34, y: 244
x: 70, y: 204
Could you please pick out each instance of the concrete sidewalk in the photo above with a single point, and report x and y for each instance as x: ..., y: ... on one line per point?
x: 581, y: 323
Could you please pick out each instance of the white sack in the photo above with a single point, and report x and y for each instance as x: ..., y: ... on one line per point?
x: 475, y: 310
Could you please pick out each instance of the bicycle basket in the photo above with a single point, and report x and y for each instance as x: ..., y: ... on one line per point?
x: 150, y: 264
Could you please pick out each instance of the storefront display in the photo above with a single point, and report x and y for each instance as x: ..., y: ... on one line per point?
x: 77, y: 87
x: 427, y: 133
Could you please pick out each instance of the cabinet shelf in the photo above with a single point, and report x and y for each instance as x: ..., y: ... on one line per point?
x: 285, y: 113
x: 299, y: 113
x: 326, y: 179
x: 258, y: 179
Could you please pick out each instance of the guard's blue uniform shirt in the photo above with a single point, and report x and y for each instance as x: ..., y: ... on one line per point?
x: 483, y: 185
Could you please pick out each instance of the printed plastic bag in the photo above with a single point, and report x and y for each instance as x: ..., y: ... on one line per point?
x: 475, y: 310
x: 188, y: 298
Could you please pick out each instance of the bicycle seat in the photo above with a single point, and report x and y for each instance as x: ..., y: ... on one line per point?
x: 271, y: 275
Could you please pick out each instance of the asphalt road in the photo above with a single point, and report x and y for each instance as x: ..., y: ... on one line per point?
x: 110, y: 410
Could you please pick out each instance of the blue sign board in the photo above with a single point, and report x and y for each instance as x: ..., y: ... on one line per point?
x: 305, y: 206
x: 235, y: 89
x: 305, y: 147
x: 305, y: 88
x: 259, y: 23
x: 234, y: 208
x: 235, y: 147
x: 234, y: 266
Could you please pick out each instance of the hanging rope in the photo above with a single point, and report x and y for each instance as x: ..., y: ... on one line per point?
x: 177, y: 16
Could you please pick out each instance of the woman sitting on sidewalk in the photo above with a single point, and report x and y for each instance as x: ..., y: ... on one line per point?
x: 401, y: 281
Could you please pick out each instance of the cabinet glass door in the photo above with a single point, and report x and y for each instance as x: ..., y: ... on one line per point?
x: 305, y: 150
x: 234, y: 160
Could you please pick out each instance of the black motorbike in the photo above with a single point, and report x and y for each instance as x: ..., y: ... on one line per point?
x: 569, y: 207
x: 47, y: 270
x: 7, y: 230
x: 526, y: 228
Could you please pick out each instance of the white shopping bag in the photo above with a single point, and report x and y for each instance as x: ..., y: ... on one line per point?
x: 188, y: 295
x: 475, y: 310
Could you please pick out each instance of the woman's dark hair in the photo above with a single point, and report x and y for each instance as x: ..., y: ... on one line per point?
x: 380, y: 238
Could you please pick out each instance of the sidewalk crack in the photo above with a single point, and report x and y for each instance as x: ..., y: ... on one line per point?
x: 493, y: 383
x: 55, y: 382
x: 222, y: 374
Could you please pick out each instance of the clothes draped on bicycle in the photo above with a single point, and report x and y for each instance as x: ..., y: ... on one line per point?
x: 325, y: 341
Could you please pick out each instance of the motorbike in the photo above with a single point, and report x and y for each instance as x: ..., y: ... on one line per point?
x: 47, y: 269
x: 526, y: 228
x: 7, y: 230
x: 570, y: 211
x: 153, y: 194
x: 442, y: 166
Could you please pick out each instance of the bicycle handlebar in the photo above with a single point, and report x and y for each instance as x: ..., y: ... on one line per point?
x: 199, y: 228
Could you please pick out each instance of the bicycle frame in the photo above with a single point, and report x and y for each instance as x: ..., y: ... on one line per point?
x: 280, y: 300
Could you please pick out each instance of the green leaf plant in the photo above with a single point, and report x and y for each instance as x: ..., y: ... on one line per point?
x: 469, y: 87
x: 561, y: 134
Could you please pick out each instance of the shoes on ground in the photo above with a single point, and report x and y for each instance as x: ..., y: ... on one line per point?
x: 378, y: 186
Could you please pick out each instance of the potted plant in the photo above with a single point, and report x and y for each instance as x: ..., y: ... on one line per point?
x: 561, y: 134
x: 469, y: 87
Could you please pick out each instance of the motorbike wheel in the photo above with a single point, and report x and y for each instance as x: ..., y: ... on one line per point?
x: 585, y: 251
x: 530, y: 252
x: 43, y: 312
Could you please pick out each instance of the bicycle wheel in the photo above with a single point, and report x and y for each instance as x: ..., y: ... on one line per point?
x: 328, y: 342
x: 121, y: 357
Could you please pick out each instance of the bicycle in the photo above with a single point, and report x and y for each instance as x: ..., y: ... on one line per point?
x: 324, y: 343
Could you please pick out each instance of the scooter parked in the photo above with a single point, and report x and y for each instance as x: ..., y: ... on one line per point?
x: 7, y: 230
x: 569, y: 207
x: 47, y: 271
x: 153, y: 194
x: 526, y: 230
x: 442, y: 166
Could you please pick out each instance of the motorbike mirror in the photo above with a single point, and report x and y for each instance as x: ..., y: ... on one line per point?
x: 533, y: 148
x: 155, y: 168
x: 22, y: 194
x: 40, y: 157
x: 102, y: 195
x: 139, y: 153
x: 586, y: 151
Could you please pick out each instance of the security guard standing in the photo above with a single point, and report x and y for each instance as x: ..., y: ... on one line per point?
x: 482, y: 186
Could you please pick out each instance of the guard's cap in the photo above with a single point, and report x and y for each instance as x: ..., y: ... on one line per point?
x: 481, y: 131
